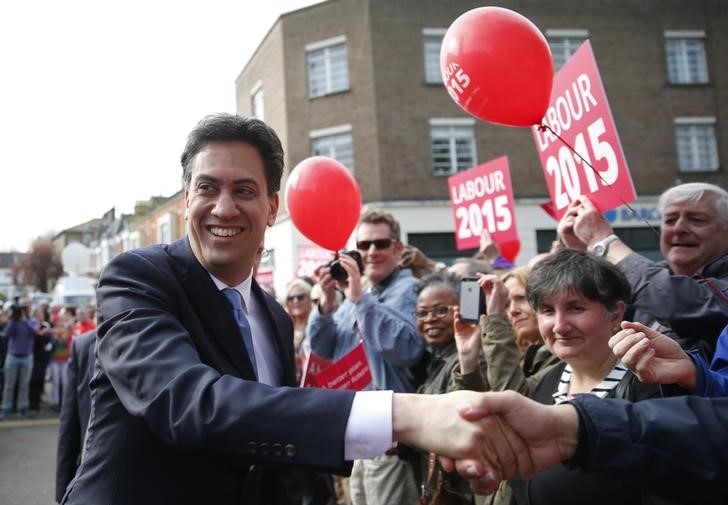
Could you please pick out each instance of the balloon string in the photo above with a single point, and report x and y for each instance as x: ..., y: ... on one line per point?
x: 544, y: 126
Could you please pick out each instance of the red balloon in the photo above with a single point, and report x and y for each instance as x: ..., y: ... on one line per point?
x: 497, y: 66
x: 509, y: 250
x: 324, y: 201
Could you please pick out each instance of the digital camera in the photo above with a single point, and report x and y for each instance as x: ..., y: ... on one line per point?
x: 338, y: 272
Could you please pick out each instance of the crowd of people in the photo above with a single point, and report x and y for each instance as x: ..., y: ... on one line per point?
x: 591, y: 316
x: 574, y: 348
x: 35, y: 345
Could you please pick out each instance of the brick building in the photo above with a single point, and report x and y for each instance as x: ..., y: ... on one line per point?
x: 359, y: 80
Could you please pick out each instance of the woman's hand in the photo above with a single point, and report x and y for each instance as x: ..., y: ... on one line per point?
x: 467, y: 340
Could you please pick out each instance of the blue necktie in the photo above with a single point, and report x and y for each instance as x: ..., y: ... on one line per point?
x: 236, y: 302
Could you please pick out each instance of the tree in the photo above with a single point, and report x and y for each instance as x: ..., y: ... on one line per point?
x: 40, y: 266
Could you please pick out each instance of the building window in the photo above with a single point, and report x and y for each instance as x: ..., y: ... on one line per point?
x: 335, y: 142
x: 328, y: 70
x: 564, y: 43
x: 453, y: 145
x: 166, y: 229
x: 697, y: 149
x: 256, y: 101
x: 685, y: 52
x: 432, y: 43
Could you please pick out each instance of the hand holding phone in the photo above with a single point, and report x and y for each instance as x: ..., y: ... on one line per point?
x: 472, y: 300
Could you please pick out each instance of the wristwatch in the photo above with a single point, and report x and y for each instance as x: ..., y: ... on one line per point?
x: 600, y: 248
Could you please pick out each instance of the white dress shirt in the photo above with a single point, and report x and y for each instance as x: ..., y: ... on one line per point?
x: 369, y: 427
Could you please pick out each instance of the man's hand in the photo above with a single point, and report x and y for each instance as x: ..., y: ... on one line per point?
x: 488, y: 249
x: 589, y: 224
x: 653, y: 357
x: 540, y: 436
x: 415, y: 260
x: 467, y: 340
x: 565, y: 229
x: 352, y: 286
x: 583, y: 224
x: 328, y: 302
x: 485, y: 447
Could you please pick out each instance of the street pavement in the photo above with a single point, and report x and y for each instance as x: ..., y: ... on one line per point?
x: 28, y: 460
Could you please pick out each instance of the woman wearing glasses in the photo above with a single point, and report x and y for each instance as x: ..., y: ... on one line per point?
x: 298, y: 305
x: 436, y: 304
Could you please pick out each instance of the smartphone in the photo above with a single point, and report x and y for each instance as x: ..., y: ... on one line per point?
x: 472, y: 300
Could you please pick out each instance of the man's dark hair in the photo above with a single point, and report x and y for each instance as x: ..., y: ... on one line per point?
x: 577, y: 272
x: 444, y: 279
x: 223, y: 127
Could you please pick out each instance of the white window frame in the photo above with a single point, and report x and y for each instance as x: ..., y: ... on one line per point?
x: 685, y: 65
x: 453, y: 130
x: 569, y: 41
x: 696, y: 144
x: 133, y: 240
x: 433, y: 73
x: 333, y: 136
x: 325, y: 50
x: 257, y: 101
x: 166, y: 228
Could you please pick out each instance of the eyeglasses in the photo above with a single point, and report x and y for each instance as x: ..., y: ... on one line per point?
x: 296, y: 298
x: 381, y: 243
x: 438, y: 311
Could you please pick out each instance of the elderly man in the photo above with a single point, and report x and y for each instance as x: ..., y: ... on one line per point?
x: 687, y: 293
x: 383, y: 317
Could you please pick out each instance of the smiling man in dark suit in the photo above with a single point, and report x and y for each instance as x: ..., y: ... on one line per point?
x: 185, y: 407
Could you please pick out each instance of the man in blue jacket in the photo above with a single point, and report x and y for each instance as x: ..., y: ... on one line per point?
x: 382, y: 317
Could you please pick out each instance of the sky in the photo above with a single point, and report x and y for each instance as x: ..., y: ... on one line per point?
x: 96, y: 99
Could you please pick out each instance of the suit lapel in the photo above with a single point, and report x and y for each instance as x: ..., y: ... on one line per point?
x: 211, y: 306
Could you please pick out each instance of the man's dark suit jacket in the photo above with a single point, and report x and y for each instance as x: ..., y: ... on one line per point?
x: 75, y: 410
x: 176, y: 414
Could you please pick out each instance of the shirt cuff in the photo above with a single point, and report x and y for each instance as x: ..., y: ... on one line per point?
x: 369, y: 428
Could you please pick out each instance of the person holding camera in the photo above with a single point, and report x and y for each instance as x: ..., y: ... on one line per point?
x: 380, y: 315
x: 18, y: 361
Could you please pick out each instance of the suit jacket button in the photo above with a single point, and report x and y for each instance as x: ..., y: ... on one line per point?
x: 290, y: 450
x: 277, y: 450
x: 264, y: 449
x: 252, y: 448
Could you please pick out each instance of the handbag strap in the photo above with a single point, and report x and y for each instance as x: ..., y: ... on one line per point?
x: 428, y: 487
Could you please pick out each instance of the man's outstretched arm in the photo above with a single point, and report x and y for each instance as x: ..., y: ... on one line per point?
x: 678, y: 445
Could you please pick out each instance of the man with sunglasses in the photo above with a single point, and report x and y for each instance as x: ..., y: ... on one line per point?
x: 380, y: 315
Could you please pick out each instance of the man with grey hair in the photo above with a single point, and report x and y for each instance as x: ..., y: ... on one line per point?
x: 688, y: 292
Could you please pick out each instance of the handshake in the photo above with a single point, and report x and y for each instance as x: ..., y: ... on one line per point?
x: 487, y: 437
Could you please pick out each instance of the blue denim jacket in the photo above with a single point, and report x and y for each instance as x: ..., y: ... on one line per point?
x: 387, y: 324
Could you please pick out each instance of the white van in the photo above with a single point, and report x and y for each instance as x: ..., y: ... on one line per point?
x: 74, y: 290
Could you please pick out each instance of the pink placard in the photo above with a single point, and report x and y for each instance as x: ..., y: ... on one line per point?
x: 309, y: 258
x: 482, y: 198
x: 312, y: 366
x: 264, y: 277
x: 350, y: 372
x: 579, y: 113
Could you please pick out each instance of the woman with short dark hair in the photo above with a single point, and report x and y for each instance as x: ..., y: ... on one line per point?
x: 579, y: 301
